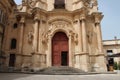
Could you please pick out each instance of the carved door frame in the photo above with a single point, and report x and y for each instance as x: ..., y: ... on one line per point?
x: 60, y: 26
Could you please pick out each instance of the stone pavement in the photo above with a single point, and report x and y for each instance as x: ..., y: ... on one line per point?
x: 17, y: 76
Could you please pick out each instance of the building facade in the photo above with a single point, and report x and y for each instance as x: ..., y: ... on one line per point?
x: 112, y: 48
x: 46, y: 33
x: 6, y: 9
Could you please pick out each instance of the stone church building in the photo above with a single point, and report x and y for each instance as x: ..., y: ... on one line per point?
x: 46, y: 33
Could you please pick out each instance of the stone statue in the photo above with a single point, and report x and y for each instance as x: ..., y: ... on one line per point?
x: 94, y: 2
x: 90, y: 36
x: 30, y: 37
x: 32, y: 3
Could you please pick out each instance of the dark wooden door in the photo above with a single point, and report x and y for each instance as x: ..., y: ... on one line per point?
x: 59, y: 45
x: 12, y: 60
x: 64, y: 58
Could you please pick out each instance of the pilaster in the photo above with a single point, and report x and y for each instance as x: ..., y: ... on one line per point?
x: 36, y: 33
x: 70, y: 53
x: 38, y: 61
x: 21, y: 40
x: 84, y: 64
x: 100, y: 58
x: 84, y: 37
x: 99, y: 37
x: 21, y: 35
x: 36, y: 54
x: 83, y: 32
x: 80, y: 36
x: 49, y: 53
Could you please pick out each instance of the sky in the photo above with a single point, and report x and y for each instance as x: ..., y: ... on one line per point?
x: 110, y: 24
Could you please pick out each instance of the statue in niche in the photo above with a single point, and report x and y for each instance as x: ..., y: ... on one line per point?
x: 32, y: 3
x: 94, y: 2
x: 76, y: 38
x: 90, y: 36
x: 30, y: 37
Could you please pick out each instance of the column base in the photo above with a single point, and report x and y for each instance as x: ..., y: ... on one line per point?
x: 38, y: 61
x: 100, y: 64
x: 83, y: 64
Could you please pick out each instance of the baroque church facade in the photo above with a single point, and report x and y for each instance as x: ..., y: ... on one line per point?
x: 46, y: 33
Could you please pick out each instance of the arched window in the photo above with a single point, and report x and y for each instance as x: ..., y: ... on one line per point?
x: 15, y: 25
x: 59, y: 4
x: 13, y: 43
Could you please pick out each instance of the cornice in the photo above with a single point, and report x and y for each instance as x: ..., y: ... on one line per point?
x: 81, y: 13
x: 82, y: 10
x: 37, y: 10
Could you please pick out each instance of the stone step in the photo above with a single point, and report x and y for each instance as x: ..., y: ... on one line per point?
x: 61, y: 70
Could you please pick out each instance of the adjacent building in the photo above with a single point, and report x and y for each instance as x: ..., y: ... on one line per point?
x: 112, y: 51
x: 6, y: 9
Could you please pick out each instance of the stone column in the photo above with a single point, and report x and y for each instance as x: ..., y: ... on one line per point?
x: 77, y: 60
x: 80, y: 45
x: 35, y: 54
x: 49, y: 52
x: 21, y: 36
x: 99, y: 37
x: 80, y: 36
x: 84, y: 35
x: 21, y: 39
x: 40, y: 37
x: 98, y: 18
x: 36, y: 34
x: 100, y: 58
x: 70, y: 53
x: 35, y: 61
x: 84, y: 55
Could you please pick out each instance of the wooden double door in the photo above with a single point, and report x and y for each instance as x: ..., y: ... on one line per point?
x: 60, y: 47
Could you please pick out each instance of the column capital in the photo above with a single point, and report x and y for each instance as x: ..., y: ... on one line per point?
x: 49, y: 36
x: 24, y: 3
x: 22, y: 20
x: 94, y: 2
x: 97, y: 24
x: 98, y: 17
x: 36, y: 14
x: 82, y: 17
x: 37, y: 17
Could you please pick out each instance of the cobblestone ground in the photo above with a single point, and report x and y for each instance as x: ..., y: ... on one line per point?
x: 13, y: 76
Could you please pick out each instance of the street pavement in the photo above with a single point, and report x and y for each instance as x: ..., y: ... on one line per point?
x: 17, y: 76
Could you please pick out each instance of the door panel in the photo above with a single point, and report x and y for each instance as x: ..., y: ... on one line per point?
x: 12, y: 60
x: 59, y: 44
x: 64, y: 58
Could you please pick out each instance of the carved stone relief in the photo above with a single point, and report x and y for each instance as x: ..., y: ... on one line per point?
x: 30, y: 37
x: 60, y: 26
x: 32, y: 3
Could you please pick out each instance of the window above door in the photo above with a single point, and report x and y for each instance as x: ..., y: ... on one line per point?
x: 59, y: 4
